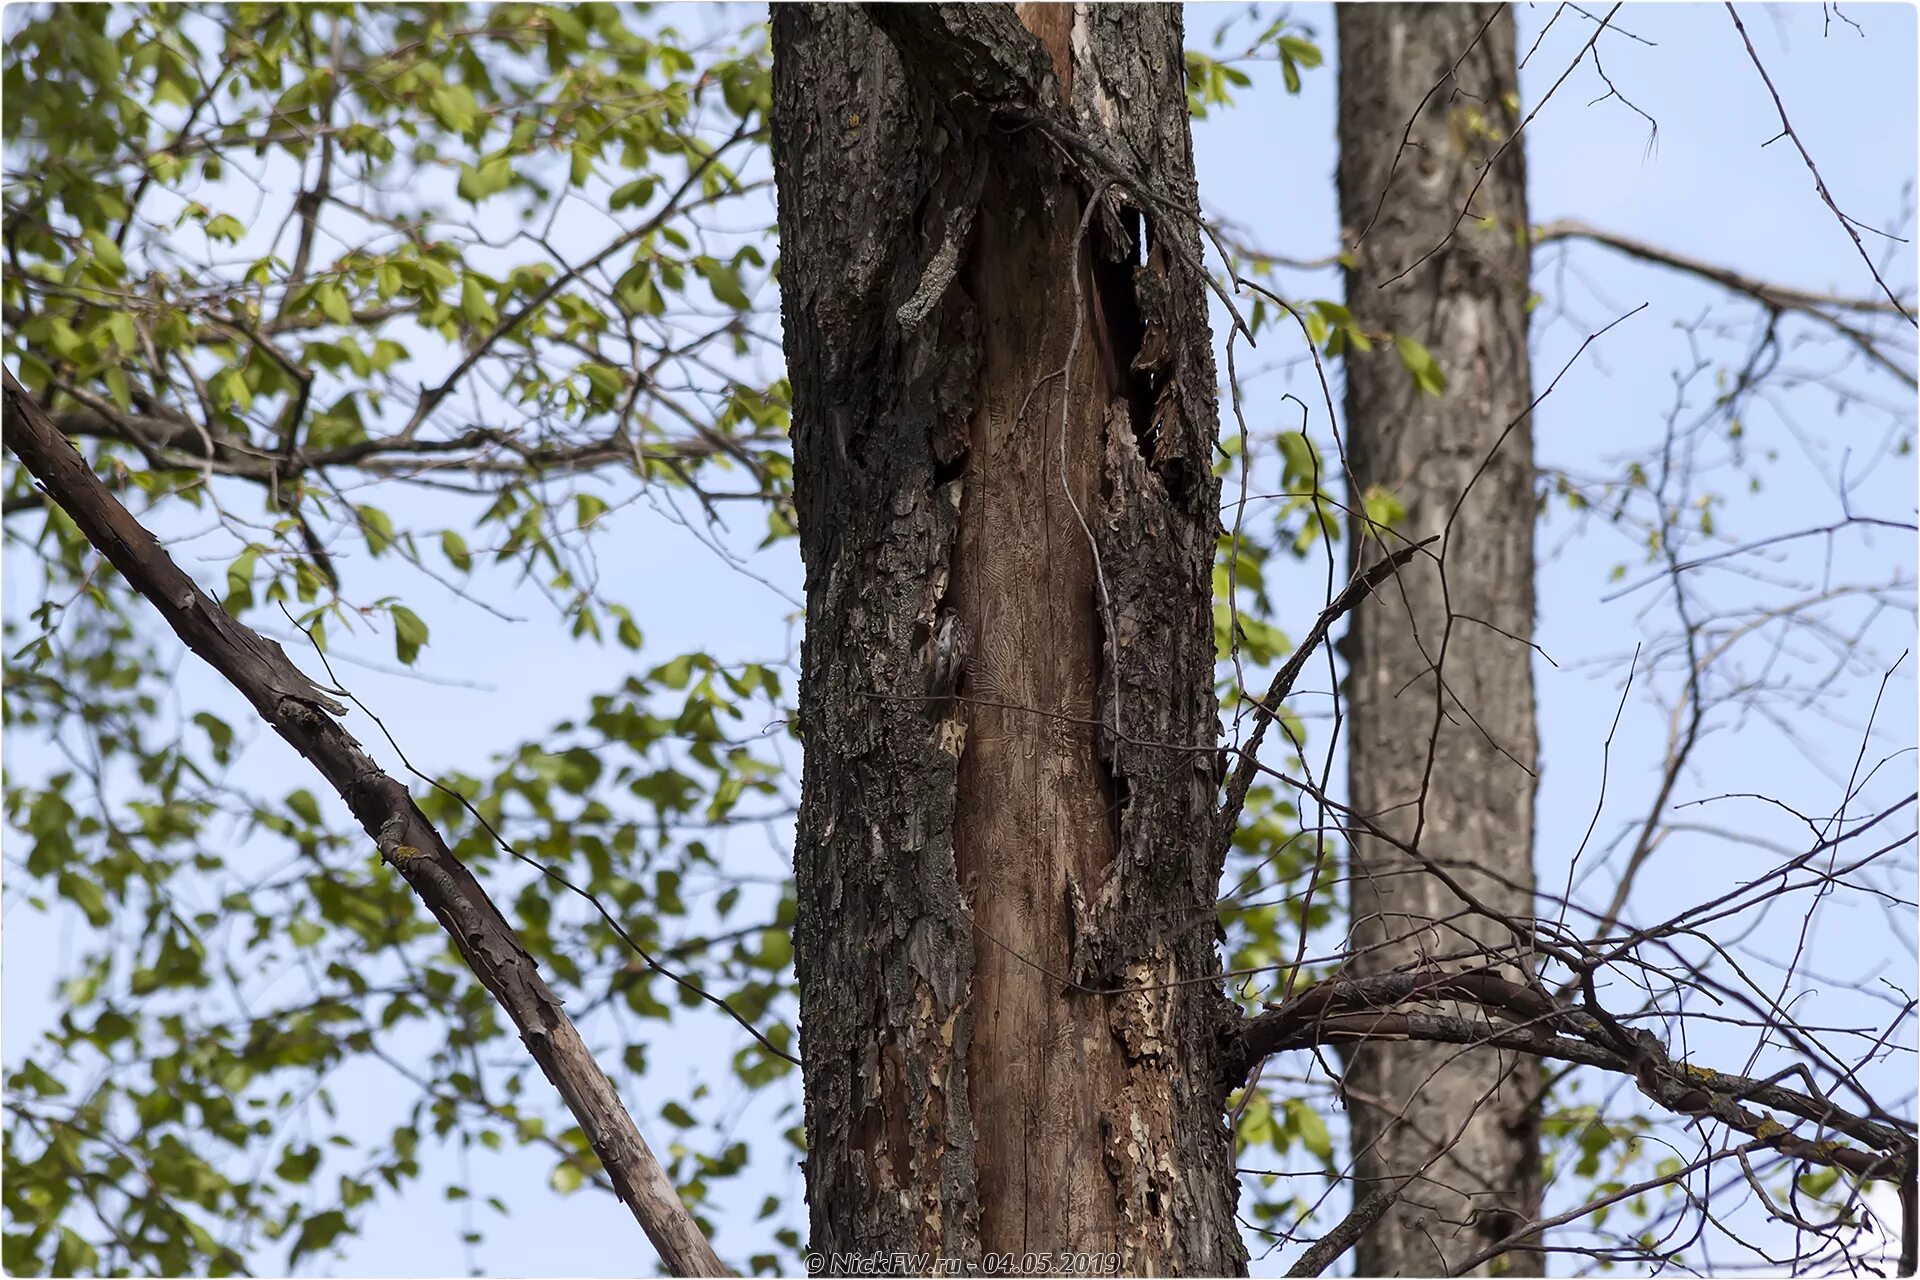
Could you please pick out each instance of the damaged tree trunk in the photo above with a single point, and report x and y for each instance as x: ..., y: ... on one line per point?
x: 1449, y: 761
x: 1003, y: 423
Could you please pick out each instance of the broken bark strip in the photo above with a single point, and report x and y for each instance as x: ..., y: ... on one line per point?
x: 301, y: 713
x: 881, y: 351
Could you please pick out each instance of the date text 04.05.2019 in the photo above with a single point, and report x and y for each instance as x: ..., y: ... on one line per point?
x: 906, y: 1263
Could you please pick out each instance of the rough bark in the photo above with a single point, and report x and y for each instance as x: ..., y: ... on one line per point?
x: 1004, y: 415
x: 302, y: 713
x: 1449, y: 758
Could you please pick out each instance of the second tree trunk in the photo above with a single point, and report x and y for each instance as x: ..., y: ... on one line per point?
x: 1443, y: 761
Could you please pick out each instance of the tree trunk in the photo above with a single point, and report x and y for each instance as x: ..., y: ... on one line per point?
x: 1003, y: 421
x: 1446, y: 764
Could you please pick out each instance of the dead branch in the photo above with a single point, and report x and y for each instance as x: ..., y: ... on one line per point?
x: 1352, y: 1011
x: 1785, y: 297
x: 302, y: 713
x: 1328, y: 1248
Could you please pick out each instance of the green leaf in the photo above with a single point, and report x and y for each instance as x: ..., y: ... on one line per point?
x: 332, y: 301
x: 455, y: 548
x: 120, y: 328
x: 1427, y: 375
x: 106, y: 254
x: 116, y: 379
x: 629, y: 631
x: 317, y: 1233
x: 588, y: 508
x: 74, y: 1256
x: 1311, y: 1128
x: 85, y: 894
x: 229, y: 387
x: 724, y: 281
x: 475, y: 308
x: 494, y: 175
x: 240, y: 581
x: 606, y: 382
x: 1819, y: 1181
x: 304, y: 806
x: 219, y: 733
x: 298, y: 1164
x: 453, y: 105
x: 409, y: 633
x: 1318, y: 330
x: 1382, y: 507
x: 1304, y: 52
x: 776, y: 950
x: 629, y: 194
x: 37, y: 1079
x: 376, y: 527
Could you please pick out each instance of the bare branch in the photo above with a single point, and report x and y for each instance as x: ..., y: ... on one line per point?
x: 1783, y: 296
x: 1347, y: 1011
x: 1819, y: 183
x: 1328, y: 1248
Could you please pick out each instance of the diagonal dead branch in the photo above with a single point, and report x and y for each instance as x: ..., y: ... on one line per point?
x: 302, y: 713
x: 1328, y: 1248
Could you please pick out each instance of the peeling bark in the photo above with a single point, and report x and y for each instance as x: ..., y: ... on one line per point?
x: 1003, y: 413
x: 1473, y: 1178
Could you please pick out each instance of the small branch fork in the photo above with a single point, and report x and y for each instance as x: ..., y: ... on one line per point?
x: 302, y: 712
x: 1819, y: 183
x: 1356, y: 591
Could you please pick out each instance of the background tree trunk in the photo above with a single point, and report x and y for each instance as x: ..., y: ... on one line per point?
x: 1004, y: 420
x: 1452, y: 760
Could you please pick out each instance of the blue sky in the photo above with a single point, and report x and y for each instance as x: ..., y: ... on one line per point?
x: 1707, y: 188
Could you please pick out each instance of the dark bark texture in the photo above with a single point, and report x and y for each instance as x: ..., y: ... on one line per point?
x: 1446, y: 757
x: 1004, y: 416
